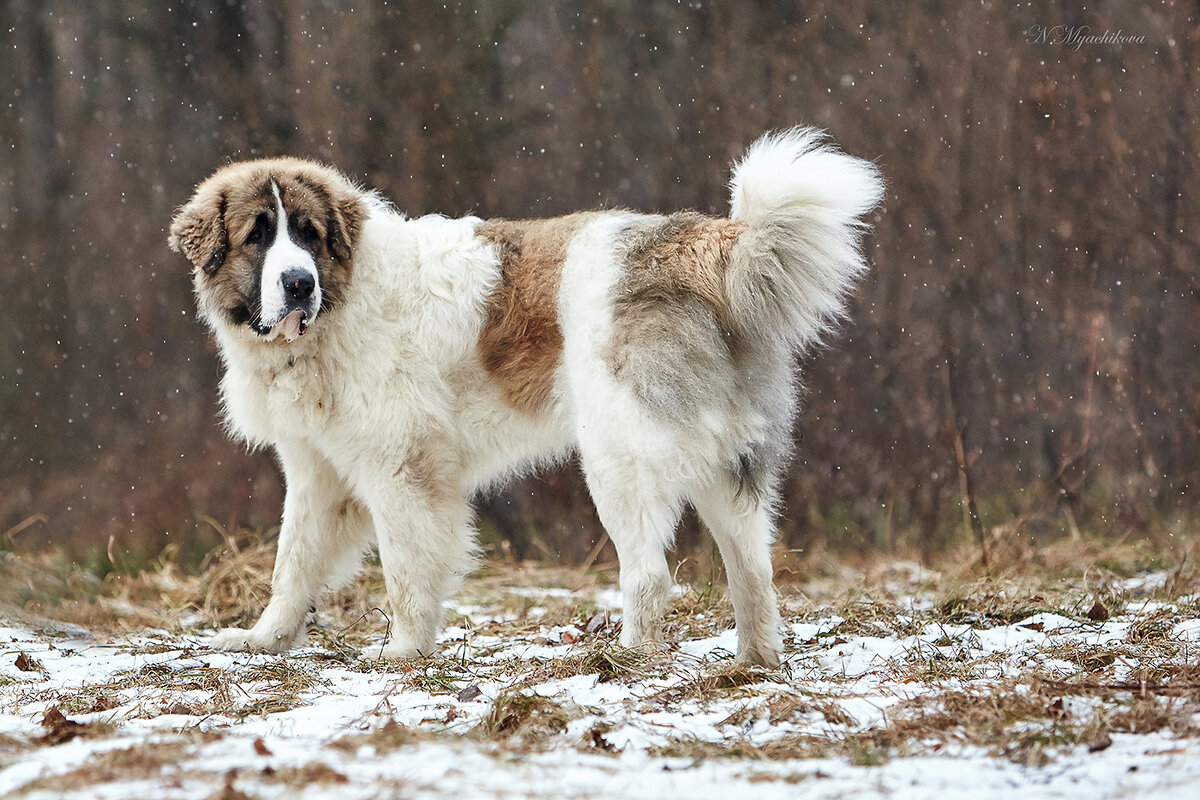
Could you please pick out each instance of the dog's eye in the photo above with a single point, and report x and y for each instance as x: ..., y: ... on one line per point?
x: 308, y: 232
x: 259, y: 232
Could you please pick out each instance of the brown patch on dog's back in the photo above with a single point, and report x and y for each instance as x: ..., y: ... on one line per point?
x: 521, y: 343
x: 673, y: 340
x: 687, y: 254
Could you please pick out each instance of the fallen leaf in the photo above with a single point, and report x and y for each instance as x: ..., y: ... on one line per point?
x: 59, y: 729
x: 598, y: 621
x: 261, y: 748
x: 468, y: 693
x: 26, y: 664
x: 1098, y: 612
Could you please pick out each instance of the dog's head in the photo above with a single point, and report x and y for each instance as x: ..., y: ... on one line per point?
x: 271, y: 243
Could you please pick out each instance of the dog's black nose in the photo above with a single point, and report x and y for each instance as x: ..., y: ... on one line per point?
x: 298, y: 284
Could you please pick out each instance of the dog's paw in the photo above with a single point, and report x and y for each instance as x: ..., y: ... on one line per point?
x: 396, y: 650
x: 767, y: 653
x: 646, y: 637
x: 250, y: 641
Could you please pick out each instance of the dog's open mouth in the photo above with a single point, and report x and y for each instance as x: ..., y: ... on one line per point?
x: 291, y: 327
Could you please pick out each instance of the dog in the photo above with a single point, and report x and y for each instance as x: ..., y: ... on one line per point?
x: 400, y: 366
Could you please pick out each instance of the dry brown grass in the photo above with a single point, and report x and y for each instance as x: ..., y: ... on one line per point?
x: 305, y: 775
x: 961, y: 694
x: 436, y: 675
x: 526, y: 714
x: 261, y: 689
x: 384, y: 739
x: 596, y: 656
x: 1010, y: 721
x: 147, y: 761
x: 236, y: 582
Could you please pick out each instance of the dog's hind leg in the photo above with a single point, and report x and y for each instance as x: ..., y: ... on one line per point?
x: 640, y: 513
x: 741, y: 523
x: 322, y: 539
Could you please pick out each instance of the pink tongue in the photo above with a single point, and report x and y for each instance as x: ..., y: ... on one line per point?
x: 289, y: 326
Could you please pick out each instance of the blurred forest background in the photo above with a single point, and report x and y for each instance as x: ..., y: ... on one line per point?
x: 1021, y: 362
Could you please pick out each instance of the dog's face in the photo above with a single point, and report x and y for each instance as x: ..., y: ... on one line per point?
x: 271, y: 244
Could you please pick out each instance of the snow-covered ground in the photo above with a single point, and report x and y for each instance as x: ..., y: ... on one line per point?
x: 908, y: 700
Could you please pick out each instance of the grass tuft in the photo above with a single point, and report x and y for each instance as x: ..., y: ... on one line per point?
x: 526, y: 714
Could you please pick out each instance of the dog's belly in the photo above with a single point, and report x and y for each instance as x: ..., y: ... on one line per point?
x: 496, y: 441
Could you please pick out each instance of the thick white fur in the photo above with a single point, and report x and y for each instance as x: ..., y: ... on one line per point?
x: 390, y: 383
x: 803, y: 200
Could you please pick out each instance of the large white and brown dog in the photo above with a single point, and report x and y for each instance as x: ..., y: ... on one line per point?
x: 399, y: 366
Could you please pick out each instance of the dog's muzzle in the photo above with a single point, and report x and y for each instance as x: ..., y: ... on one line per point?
x: 299, y: 287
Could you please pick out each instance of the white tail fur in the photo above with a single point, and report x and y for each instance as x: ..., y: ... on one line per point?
x: 800, y: 256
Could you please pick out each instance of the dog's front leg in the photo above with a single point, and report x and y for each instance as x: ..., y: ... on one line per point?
x: 426, y: 546
x: 323, y: 535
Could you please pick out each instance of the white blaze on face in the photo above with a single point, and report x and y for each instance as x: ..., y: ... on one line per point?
x: 283, y: 256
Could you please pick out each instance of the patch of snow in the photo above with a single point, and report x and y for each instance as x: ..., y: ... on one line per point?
x: 853, y: 677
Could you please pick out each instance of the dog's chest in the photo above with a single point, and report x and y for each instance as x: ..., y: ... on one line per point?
x: 292, y: 397
x: 299, y: 386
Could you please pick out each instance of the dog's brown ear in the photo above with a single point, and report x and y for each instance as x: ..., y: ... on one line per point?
x: 346, y: 216
x: 198, y: 231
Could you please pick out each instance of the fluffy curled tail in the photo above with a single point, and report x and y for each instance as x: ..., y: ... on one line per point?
x: 802, y: 201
